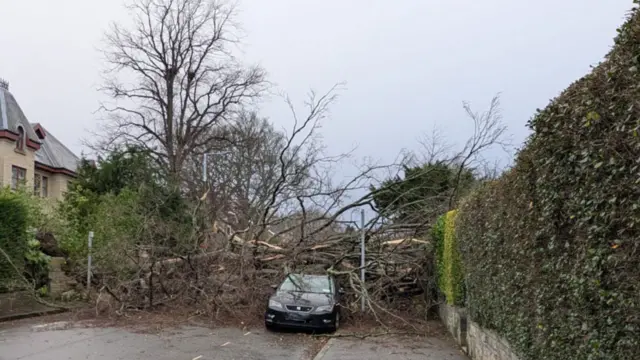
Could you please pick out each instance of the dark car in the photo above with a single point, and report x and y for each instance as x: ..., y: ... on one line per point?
x: 305, y: 301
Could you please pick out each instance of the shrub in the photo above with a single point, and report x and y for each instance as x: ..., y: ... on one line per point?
x: 453, y: 276
x: 437, y: 234
x: 36, y: 262
x: 14, y: 219
x: 551, y: 248
x: 449, y: 267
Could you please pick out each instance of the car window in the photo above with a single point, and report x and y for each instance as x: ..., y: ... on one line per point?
x: 307, y: 283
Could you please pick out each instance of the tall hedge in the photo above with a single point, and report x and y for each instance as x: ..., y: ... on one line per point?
x: 551, y: 249
x: 13, y: 237
x: 449, y: 267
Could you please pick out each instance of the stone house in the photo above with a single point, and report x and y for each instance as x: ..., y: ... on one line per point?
x: 30, y: 155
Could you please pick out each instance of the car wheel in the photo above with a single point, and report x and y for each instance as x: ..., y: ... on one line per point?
x: 270, y: 327
x: 336, y: 322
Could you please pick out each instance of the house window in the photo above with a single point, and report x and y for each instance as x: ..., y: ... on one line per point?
x: 41, y: 185
x: 37, y: 183
x: 45, y: 186
x: 18, y: 177
x: 21, y: 139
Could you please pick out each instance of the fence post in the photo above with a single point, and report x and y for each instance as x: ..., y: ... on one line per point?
x: 89, y: 261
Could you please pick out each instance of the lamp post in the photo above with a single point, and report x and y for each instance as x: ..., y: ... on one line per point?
x: 362, y: 256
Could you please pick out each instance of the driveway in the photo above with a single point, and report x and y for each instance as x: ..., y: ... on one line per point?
x: 80, y: 340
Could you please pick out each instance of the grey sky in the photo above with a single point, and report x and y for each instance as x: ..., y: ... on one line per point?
x: 408, y: 64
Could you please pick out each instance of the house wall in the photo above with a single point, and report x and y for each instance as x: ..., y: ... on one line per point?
x: 1, y: 165
x: 9, y: 157
x: 57, y: 184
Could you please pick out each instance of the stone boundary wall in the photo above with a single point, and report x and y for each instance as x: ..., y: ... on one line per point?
x: 454, y: 319
x: 479, y: 343
x: 59, y: 282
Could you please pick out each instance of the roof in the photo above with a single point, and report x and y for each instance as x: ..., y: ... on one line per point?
x: 53, y: 153
x: 11, y: 115
x: 50, y: 152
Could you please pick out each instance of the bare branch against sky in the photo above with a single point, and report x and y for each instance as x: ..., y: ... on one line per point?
x: 407, y: 66
x: 173, y: 77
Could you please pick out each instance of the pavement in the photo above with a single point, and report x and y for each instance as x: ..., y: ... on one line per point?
x: 19, y: 305
x: 392, y: 348
x: 77, y: 340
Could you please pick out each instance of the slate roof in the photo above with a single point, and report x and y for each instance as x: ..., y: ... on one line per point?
x: 11, y: 115
x: 52, y: 152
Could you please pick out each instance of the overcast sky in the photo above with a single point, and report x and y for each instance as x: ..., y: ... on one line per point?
x: 408, y: 64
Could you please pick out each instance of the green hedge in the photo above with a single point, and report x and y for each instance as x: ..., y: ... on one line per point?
x: 551, y: 250
x: 448, y: 263
x: 13, y: 237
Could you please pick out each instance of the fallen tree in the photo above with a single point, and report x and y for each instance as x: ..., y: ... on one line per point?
x: 215, y: 236
x: 227, y: 268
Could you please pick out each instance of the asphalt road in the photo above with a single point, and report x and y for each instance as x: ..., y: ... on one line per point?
x: 77, y: 343
x: 74, y: 341
x: 392, y: 348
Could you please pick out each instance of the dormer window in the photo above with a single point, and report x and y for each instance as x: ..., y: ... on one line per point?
x: 21, y: 139
x: 39, y: 132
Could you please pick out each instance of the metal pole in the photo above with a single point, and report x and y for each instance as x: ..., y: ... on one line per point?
x: 362, y: 257
x: 89, y: 261
x: 204, y: 169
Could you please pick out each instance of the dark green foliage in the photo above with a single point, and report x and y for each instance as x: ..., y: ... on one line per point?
x: 36, y: 263
x: 437, y: 235
x: 551, y: 250
x: 126, y: 180
x: 13, y: 237
x: 423, y: 192
x: 129, y: 167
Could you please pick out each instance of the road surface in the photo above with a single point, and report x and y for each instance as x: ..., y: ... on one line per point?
x: 80, y: 341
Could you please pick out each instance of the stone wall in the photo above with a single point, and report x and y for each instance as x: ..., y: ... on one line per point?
x: 59, y: 281
x: 479, y: 343
x: 484, y: 344
x: 455, y: 320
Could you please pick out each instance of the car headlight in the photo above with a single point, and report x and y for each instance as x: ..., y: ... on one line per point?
x: 324, y: 309
x: 275, y: 305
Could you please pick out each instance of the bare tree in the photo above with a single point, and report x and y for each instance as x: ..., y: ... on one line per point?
x: 173, y: 77
x: 488, y: 131
x: 240, y: 176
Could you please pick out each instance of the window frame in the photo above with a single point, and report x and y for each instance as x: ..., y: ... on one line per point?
x: 22, y: 139
x: 37, y: 184
x: 15, y: 179
x: 45, y: 186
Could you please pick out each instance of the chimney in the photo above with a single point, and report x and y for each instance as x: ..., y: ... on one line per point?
x: 4, y: 84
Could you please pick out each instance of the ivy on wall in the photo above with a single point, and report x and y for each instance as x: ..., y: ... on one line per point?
x: 449, y: 267
x: 551, y: 250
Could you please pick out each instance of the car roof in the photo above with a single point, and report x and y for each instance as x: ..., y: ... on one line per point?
x: 309, y: 275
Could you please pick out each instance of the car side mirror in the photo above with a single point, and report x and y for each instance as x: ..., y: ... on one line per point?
x: 341, y: 291
x: 274, y: 287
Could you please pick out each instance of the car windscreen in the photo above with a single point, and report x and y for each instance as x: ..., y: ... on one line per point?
x: 310, y: 284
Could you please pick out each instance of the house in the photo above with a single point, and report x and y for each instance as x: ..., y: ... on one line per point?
x: 29, y: 154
